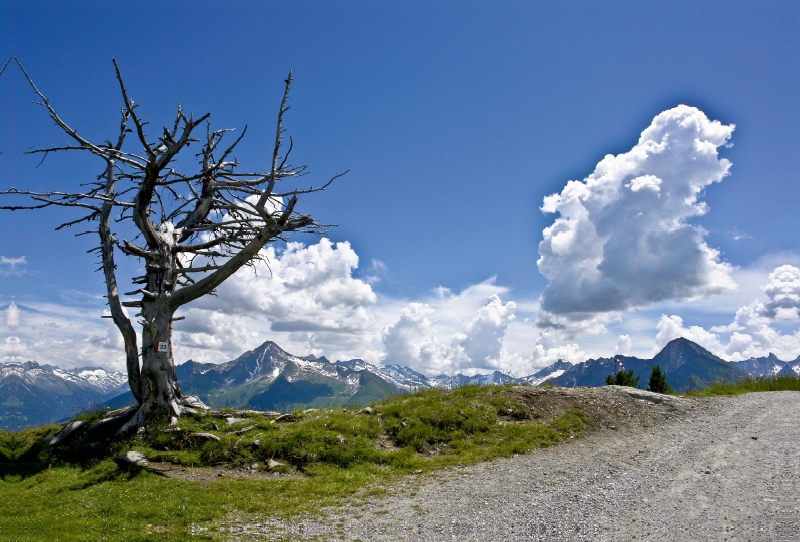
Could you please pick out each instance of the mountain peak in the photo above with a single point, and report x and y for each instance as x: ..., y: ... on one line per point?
x: 683, y: 347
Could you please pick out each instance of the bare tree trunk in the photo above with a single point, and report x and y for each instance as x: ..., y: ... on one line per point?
x: 159, y: 382
x: 159, y: 387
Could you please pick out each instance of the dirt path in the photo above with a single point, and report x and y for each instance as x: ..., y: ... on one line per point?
x: 711, y: 469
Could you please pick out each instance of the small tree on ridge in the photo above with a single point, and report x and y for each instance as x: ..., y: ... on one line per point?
x: 623, y: 378
x: 658, y: 381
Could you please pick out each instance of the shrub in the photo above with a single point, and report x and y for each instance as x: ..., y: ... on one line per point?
x: 623, y: 378
x: 658, y: 381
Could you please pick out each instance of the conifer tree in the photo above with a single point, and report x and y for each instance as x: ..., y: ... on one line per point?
x: 623, y: 378
x: 658, y: 381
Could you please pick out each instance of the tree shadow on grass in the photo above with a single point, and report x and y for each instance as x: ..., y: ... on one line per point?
x: 29, y: 452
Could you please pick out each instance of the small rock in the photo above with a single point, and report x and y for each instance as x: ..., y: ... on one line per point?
x: 283, y: 418
x: 132, y: 458
x: 648, y: 395
x: 255, y: 443
x: 306, y: 411
x: 254, y: 466
x: 243, y: 430
x: 232, y: 420
x: 194, y: 401
x: 754, y: 438
x: 341, y: 438
x: 367, y: 410
x: 272, y: 464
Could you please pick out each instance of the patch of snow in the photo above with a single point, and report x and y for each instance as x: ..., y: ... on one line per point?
x: 554, y: 374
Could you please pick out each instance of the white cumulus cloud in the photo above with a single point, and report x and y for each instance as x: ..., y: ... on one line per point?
x: 413, y: 339
x: 482, y: 339
x: 622, y: 238
x: 624, y: 344
x: 303, y: 297
x: 552, y: 345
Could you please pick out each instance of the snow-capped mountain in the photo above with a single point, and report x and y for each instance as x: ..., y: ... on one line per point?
x: 102, y: 380
x: 33, y: 394
x: 553, y: 371
x: 270, y: 378
x: 769, y: 366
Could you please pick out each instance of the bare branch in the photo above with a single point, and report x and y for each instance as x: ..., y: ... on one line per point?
x: 133, y: 250
x: 6, y: 64
x: 99, y: 151
x: 129, y: 108
x: 268, y: 192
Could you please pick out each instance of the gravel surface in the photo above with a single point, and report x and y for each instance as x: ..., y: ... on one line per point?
x: 702, y: 469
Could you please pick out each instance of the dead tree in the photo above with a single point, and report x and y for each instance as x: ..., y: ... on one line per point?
x: 193, y: 229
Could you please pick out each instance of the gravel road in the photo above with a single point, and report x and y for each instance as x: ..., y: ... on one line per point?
x: 706, y: 469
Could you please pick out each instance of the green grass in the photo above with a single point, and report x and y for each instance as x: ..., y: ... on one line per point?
x: 77, y: 492
x: 750, y: 385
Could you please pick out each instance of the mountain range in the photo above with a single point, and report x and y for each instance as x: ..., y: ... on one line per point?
x: 269, y: 378
x: 33, y: 394
x: 686, y: 364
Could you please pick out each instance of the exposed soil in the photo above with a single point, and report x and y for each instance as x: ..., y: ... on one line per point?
x: 208, y: 474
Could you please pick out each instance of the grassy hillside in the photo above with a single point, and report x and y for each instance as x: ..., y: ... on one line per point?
x: 750, y: 385
x: 78, y: 492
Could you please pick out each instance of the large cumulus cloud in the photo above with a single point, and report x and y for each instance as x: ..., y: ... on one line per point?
x: 623, y: 238
x: 413, y: 338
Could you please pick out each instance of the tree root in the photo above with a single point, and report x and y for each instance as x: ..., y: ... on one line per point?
x: 188, y: 404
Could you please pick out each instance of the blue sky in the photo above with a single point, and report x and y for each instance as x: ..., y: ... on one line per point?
x: 456, y: 121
